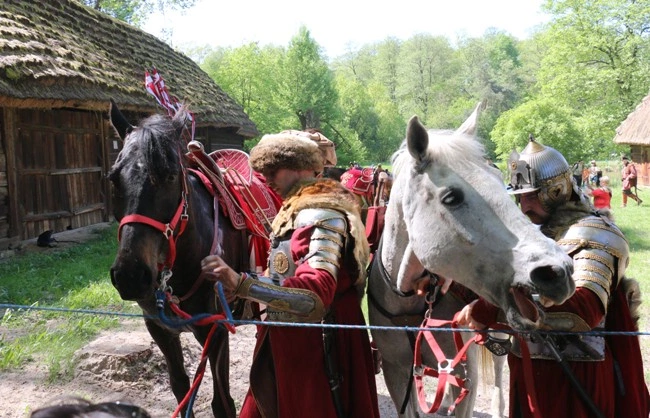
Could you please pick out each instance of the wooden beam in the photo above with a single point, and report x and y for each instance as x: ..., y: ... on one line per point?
x: 15, y: 220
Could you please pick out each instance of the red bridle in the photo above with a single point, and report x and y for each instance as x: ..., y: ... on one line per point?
x: 171, y: 230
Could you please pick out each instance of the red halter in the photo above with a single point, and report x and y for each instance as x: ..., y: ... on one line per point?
x: 169, y: 230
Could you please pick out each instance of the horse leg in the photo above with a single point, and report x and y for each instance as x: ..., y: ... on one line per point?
x: 397, y: 377
x: 170, y: 346
x: 223, y: 406
x: 498, y: 396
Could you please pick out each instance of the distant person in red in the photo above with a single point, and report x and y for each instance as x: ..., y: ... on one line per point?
x: 628, y: 177
x: 602, y: 195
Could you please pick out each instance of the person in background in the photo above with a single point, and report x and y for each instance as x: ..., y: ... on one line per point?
x: 608, y: 368
x: 628, y: 177
x: 577, y: 169
x: 602, y: 195
x: 316, y: 274
x: 594, y: 174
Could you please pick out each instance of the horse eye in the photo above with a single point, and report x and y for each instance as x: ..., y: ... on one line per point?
x: 452, y: 197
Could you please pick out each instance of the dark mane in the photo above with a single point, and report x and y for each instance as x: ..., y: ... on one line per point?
x: 157, y: 141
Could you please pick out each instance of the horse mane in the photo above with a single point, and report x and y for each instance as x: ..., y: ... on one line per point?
x: 161, y: 143
x: 447, y: 147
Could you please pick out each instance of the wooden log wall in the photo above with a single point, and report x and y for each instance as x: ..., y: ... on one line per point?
x: 639, y: 155
x: 59, y: 159
x: 4, y: 188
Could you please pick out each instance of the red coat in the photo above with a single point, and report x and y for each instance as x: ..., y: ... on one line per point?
x: 288, y: 362
x: 556, y: 396
x: 602, y: 198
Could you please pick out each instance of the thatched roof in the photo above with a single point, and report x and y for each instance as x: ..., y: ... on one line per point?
x: 60, y: 53
x: 635, y: 129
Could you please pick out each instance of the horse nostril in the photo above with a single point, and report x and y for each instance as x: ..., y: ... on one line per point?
x: 546, y: 274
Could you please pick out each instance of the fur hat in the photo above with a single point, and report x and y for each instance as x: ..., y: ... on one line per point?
x: 296, y: 150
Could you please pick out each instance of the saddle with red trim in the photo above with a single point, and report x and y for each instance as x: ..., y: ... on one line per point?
x: 243, y: 194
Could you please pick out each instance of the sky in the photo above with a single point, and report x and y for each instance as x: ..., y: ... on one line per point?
x: 339, y: 26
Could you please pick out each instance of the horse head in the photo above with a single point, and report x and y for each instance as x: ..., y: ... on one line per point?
x: 147, y: 183
x: 449, y: 214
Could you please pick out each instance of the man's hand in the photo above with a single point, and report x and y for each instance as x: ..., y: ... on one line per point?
x: 216, y: 269
x: 420, y: 286
x: 465, y: 319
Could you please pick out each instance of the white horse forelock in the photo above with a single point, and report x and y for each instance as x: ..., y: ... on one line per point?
x: 447, y: 147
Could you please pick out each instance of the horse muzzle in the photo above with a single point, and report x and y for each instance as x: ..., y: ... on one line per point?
x: 134, y: 282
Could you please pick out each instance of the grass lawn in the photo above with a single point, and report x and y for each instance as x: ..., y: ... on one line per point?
x: 77, y: 278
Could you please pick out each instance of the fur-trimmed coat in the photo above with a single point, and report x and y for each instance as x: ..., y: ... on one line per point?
x: 288, y: 377
x: 615, y: 384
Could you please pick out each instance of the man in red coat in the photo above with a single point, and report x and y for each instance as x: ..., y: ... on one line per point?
x: 628, y: 181
x: 609, y: 368
x: 316, y: 274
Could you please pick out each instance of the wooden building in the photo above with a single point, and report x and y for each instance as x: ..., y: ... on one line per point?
x: 635, y: 132
x: 60, y: 63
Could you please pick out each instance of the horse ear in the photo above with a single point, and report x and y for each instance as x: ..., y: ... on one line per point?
x: 469, y: 126
x: 179, y: 120
x: 417, y: 138
x: 119, y: 122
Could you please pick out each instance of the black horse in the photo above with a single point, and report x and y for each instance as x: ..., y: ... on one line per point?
x: 167, y: 225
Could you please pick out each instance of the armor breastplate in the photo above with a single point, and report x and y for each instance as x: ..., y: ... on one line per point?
x: 281, y: 264
x: 584, y: 348
x: 324, y: 251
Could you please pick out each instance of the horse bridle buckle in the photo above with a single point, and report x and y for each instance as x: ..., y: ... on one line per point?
x: 165, y: 275
x: 445, y: 366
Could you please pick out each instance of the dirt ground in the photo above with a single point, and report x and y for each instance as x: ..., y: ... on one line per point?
x: 126, y: 365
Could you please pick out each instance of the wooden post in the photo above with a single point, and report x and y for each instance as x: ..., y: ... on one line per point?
x: 15, y: 220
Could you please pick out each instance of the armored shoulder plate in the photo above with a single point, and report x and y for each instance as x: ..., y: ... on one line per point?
x: 326, y: 218
x: 327, y: 239
x: 600, y: 254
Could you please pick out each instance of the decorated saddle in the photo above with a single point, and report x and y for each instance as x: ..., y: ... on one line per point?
x: 242, y: 193
x: 359, y: 182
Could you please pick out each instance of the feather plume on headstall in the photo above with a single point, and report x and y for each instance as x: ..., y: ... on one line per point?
x: 155, y: 85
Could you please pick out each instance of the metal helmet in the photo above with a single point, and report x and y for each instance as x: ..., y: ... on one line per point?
x: 541, y: 169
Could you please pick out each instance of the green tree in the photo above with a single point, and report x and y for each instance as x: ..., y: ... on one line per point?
x: 249, y: 74
x: 306, y: 84
x: 387, y: 65
x: 490, y: 70
x: 597, y: 62
x: 135, y: 12
x: 426, y: 66
x: 549, y: 122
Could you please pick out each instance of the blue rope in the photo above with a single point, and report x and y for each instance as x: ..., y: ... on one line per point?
x: 316, y: 325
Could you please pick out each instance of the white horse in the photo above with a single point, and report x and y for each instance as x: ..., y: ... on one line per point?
x: 449, y: 215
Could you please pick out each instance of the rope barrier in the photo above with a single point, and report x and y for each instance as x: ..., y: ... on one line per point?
x: 236, y: 322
